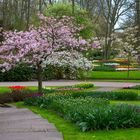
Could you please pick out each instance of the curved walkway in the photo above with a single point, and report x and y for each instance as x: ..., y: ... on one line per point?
x: 69, y: 82
x: 22, y: 124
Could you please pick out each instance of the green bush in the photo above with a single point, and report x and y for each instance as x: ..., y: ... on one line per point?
x: 20, y: 73
x: 84, y: 85
x: 90, y: 113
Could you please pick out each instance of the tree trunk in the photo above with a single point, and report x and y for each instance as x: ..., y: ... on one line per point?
x: 40, y: 6
x: 128, y: 70
x: 39, y: 76
x: 28, y: 14
x: 73, y: 6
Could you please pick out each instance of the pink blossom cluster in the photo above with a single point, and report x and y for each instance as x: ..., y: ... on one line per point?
x: 36, y: 44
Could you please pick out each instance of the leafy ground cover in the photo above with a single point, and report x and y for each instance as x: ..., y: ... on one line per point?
x: 72, y: 132
x: 19, y: 93
x: 112, y: 75
x: 129, y: 90
x: 91, y: 113
x: 110, y: 95
x: 132, y: 90
x: 126, y: 102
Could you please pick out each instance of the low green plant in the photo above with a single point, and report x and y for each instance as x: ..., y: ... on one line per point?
x: 84, y: 85
x: 136, y: 87
x: 112, y: 95
x: 104, y: 68
x: 90, y: 113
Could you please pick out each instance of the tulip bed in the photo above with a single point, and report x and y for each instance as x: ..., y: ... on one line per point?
x: 89, y: 113
x: 16, y: 94
x: 19, y: 93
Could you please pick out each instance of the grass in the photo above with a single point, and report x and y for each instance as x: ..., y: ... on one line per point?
x: 128, y: 90
x: 71, y: 132
x: 109, y: 80
x: 126, y: 102
x: 4, y: 90
x: 113, y: 75
x: 7, y: 90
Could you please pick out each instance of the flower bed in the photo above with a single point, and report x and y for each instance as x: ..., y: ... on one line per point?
x: 17, y: 87
x: 18, y: 93
x: 112, y: 95
x: 90, y: 113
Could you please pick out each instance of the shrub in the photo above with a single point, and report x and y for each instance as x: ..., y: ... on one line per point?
x: 84, y: 85
x: 90, y: 113
x: 20, y: 73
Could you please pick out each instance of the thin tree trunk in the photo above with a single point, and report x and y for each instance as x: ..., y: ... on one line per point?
x: 73, y: 6
x: 28, y: 14
x: 40, y: 6
x: 50, y: 2
x: 128, y: 72
x: 39, y: 76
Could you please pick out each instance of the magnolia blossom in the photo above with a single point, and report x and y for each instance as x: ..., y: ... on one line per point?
x: 129, y: 43
x: 96, y: 43
x: 67, y: 59
x: 39, y: 44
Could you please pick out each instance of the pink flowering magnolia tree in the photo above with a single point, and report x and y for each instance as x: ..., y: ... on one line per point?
x: 38, y: 43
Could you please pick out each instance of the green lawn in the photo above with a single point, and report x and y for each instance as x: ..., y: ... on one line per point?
x: 7, y: 90
x: 109, y: 80
x: 4, y: 90
x: 71, y: 132
x: 112, y: 75
x: 126, y: 102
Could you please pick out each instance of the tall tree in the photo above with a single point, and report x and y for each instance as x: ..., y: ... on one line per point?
x: 36, y: 45
x: 112, y: 11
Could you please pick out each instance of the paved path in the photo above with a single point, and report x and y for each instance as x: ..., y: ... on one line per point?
x: 22, y: 124
x: 69, y: 82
